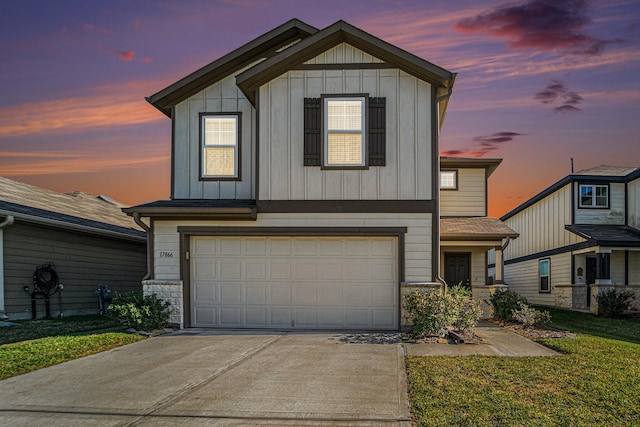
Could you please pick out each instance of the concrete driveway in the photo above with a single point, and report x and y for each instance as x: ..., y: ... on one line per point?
x: 198, y: 378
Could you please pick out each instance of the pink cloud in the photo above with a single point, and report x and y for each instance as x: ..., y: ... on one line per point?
x: 127, y: 55
x: 147, y: 59
x: 91, y: 27
x: 556, y: 92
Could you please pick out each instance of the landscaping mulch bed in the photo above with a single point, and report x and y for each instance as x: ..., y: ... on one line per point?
x: 535, y: 332
x: 452, y: 337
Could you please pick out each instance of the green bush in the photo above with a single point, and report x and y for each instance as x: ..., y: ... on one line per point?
x: 434, y: 313
x: 504, y: 302
x: 612, y: 303
x: 142, y: 312
x: 529, y: 316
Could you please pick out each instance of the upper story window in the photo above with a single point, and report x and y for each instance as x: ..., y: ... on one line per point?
x: 448, y: 180
x: 594, y: 196
x: 219, y: 145
x: 344, y: 131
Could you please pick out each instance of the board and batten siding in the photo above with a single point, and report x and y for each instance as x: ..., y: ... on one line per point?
x: 633, y: 195
x: 523, y: 277
x: 344, y: 53
x: 82, y: 262
x: 221, y: 97
x: 612, y: 216
x: 469, y: 199
x: 541, y: 225
x: 407, y: 174
x: 418, y: 252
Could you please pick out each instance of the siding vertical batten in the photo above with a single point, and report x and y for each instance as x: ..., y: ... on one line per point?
x: 435, y: 189
x: 173, y: 152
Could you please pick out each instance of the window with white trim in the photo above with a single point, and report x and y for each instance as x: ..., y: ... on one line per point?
x: 594, y: 196
x: 448, y: 180
x: 344, y: 131
x: 219, y: 150
x: 544, y: 283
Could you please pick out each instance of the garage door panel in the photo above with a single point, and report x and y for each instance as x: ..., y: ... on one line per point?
x: 304, y: 269
x: 205, y: 293
x: 255, y: 269
x: 280, y: 294
x: 280, y: 269
x: 229, y: 269
x: 280, y: 317
x: 230, y: 317
x: 230, y: 293
x: 279, y: 246
x: 229, y: 246
x: 288, y: 282
x: 255, y: 317
x: 255, y: 294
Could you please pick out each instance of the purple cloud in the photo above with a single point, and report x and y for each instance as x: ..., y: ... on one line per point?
x: 545, y: 25
x: 557, y: 92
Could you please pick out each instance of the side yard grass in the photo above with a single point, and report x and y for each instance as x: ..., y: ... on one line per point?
x: 36, y: 344
x: 596, y: 382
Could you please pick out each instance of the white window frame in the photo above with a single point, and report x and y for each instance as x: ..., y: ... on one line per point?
x: 547, y: 276
x: 594, y: 199
x: 454, y: 173
x: 204, y: 146
x: 327, y: 131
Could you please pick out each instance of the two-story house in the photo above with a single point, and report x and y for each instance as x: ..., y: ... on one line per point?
x: 578, y: 236
x: 305, y: 183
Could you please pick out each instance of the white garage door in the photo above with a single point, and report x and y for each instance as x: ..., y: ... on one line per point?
x: 294, y: 282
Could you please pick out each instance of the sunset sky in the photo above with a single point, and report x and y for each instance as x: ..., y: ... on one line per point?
x: 539, y: 82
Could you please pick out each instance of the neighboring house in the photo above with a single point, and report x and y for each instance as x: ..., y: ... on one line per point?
x: 304, y: 183
x: 577, y: 237
x: 466, y: 232
x: 88, y: 239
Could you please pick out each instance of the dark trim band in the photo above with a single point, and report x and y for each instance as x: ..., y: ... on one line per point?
x: 545, y: 254
x: 346, y: 206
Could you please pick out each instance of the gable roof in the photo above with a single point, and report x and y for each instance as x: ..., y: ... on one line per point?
x: 291, y: 44
x: 77, y: 210
x: 469, y: 162
x: 339, y: 32
x: 264, y: 46
x: 602, y: 173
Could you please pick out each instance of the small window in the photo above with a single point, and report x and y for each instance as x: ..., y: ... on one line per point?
x: 543, y: 273
x: 448, y: 180
x: 219, y: 149
x: 594, y: 196
x: 344, y: 133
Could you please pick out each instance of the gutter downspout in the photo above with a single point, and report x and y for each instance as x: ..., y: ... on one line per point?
x: 147, y: 229
x: 439, y: 99
x: 8, y: 221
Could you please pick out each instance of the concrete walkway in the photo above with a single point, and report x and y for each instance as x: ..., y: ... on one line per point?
x: 216, y: 379
x: 500, y: 342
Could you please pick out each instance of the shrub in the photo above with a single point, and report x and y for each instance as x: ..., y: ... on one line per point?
x: 529, y: 316
x: 142, y: 312
x: 504, y: 302
x: 612, y: 303
x: 433, y: 312
x: 468, y: 310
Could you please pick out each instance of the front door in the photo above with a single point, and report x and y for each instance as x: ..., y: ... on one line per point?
x: 591, y: 276
x: 457, y: 269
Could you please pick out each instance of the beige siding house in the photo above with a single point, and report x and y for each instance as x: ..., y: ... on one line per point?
x: 305, y: 183
x: 87, y: 238
x: 577, y: 237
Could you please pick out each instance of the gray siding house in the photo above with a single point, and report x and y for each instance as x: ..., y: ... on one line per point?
x: 88, y: 239
x: 577, y: 237
x: 305, y: 183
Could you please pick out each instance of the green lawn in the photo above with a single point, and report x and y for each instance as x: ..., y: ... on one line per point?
x: 596, y: 382
x: 36, y: 344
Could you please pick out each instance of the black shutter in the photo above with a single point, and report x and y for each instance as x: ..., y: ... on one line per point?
x: 377, y: 132
x: 312, y: 131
